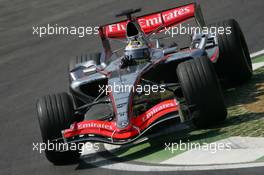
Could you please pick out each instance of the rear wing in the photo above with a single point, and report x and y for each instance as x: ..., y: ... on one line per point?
x: 150, y: 22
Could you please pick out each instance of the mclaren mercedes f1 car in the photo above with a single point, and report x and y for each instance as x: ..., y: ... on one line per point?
x: 107, y: 102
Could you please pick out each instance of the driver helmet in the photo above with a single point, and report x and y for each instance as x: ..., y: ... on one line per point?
x: 137, y: 49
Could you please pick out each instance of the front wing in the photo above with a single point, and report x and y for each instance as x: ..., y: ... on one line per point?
x: 107, y: 132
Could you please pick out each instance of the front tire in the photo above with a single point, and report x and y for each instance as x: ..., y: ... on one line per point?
x: 56, y: 113
x: 202, y: 92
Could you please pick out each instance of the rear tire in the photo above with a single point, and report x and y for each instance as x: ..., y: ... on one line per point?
x: 234, y: 64
x: 55, y: 113
x: 202, y: 92
x: 81, y: 59
x: 78, y: 60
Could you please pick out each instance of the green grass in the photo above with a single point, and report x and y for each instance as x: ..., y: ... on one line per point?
x: 258, y: 60
x: 260, y: 159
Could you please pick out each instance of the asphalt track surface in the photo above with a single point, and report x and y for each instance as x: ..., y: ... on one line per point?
x: 31, y: 67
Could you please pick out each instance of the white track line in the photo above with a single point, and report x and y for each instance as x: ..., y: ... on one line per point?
x: 256, y: 54
x: 112, y: 165
x: 257, y: 65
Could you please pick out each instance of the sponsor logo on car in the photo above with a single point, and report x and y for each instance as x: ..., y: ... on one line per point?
x: 89, y: 124
x: 151, y: 22
x: 158, y: 109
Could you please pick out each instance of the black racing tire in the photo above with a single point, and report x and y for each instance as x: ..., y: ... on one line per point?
x: 202, y: 92
x: 234, y: 64
x: 56, y: 113
x: 84, y: 58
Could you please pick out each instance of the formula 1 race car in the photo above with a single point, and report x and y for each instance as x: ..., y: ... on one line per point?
x: 117, y: 97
